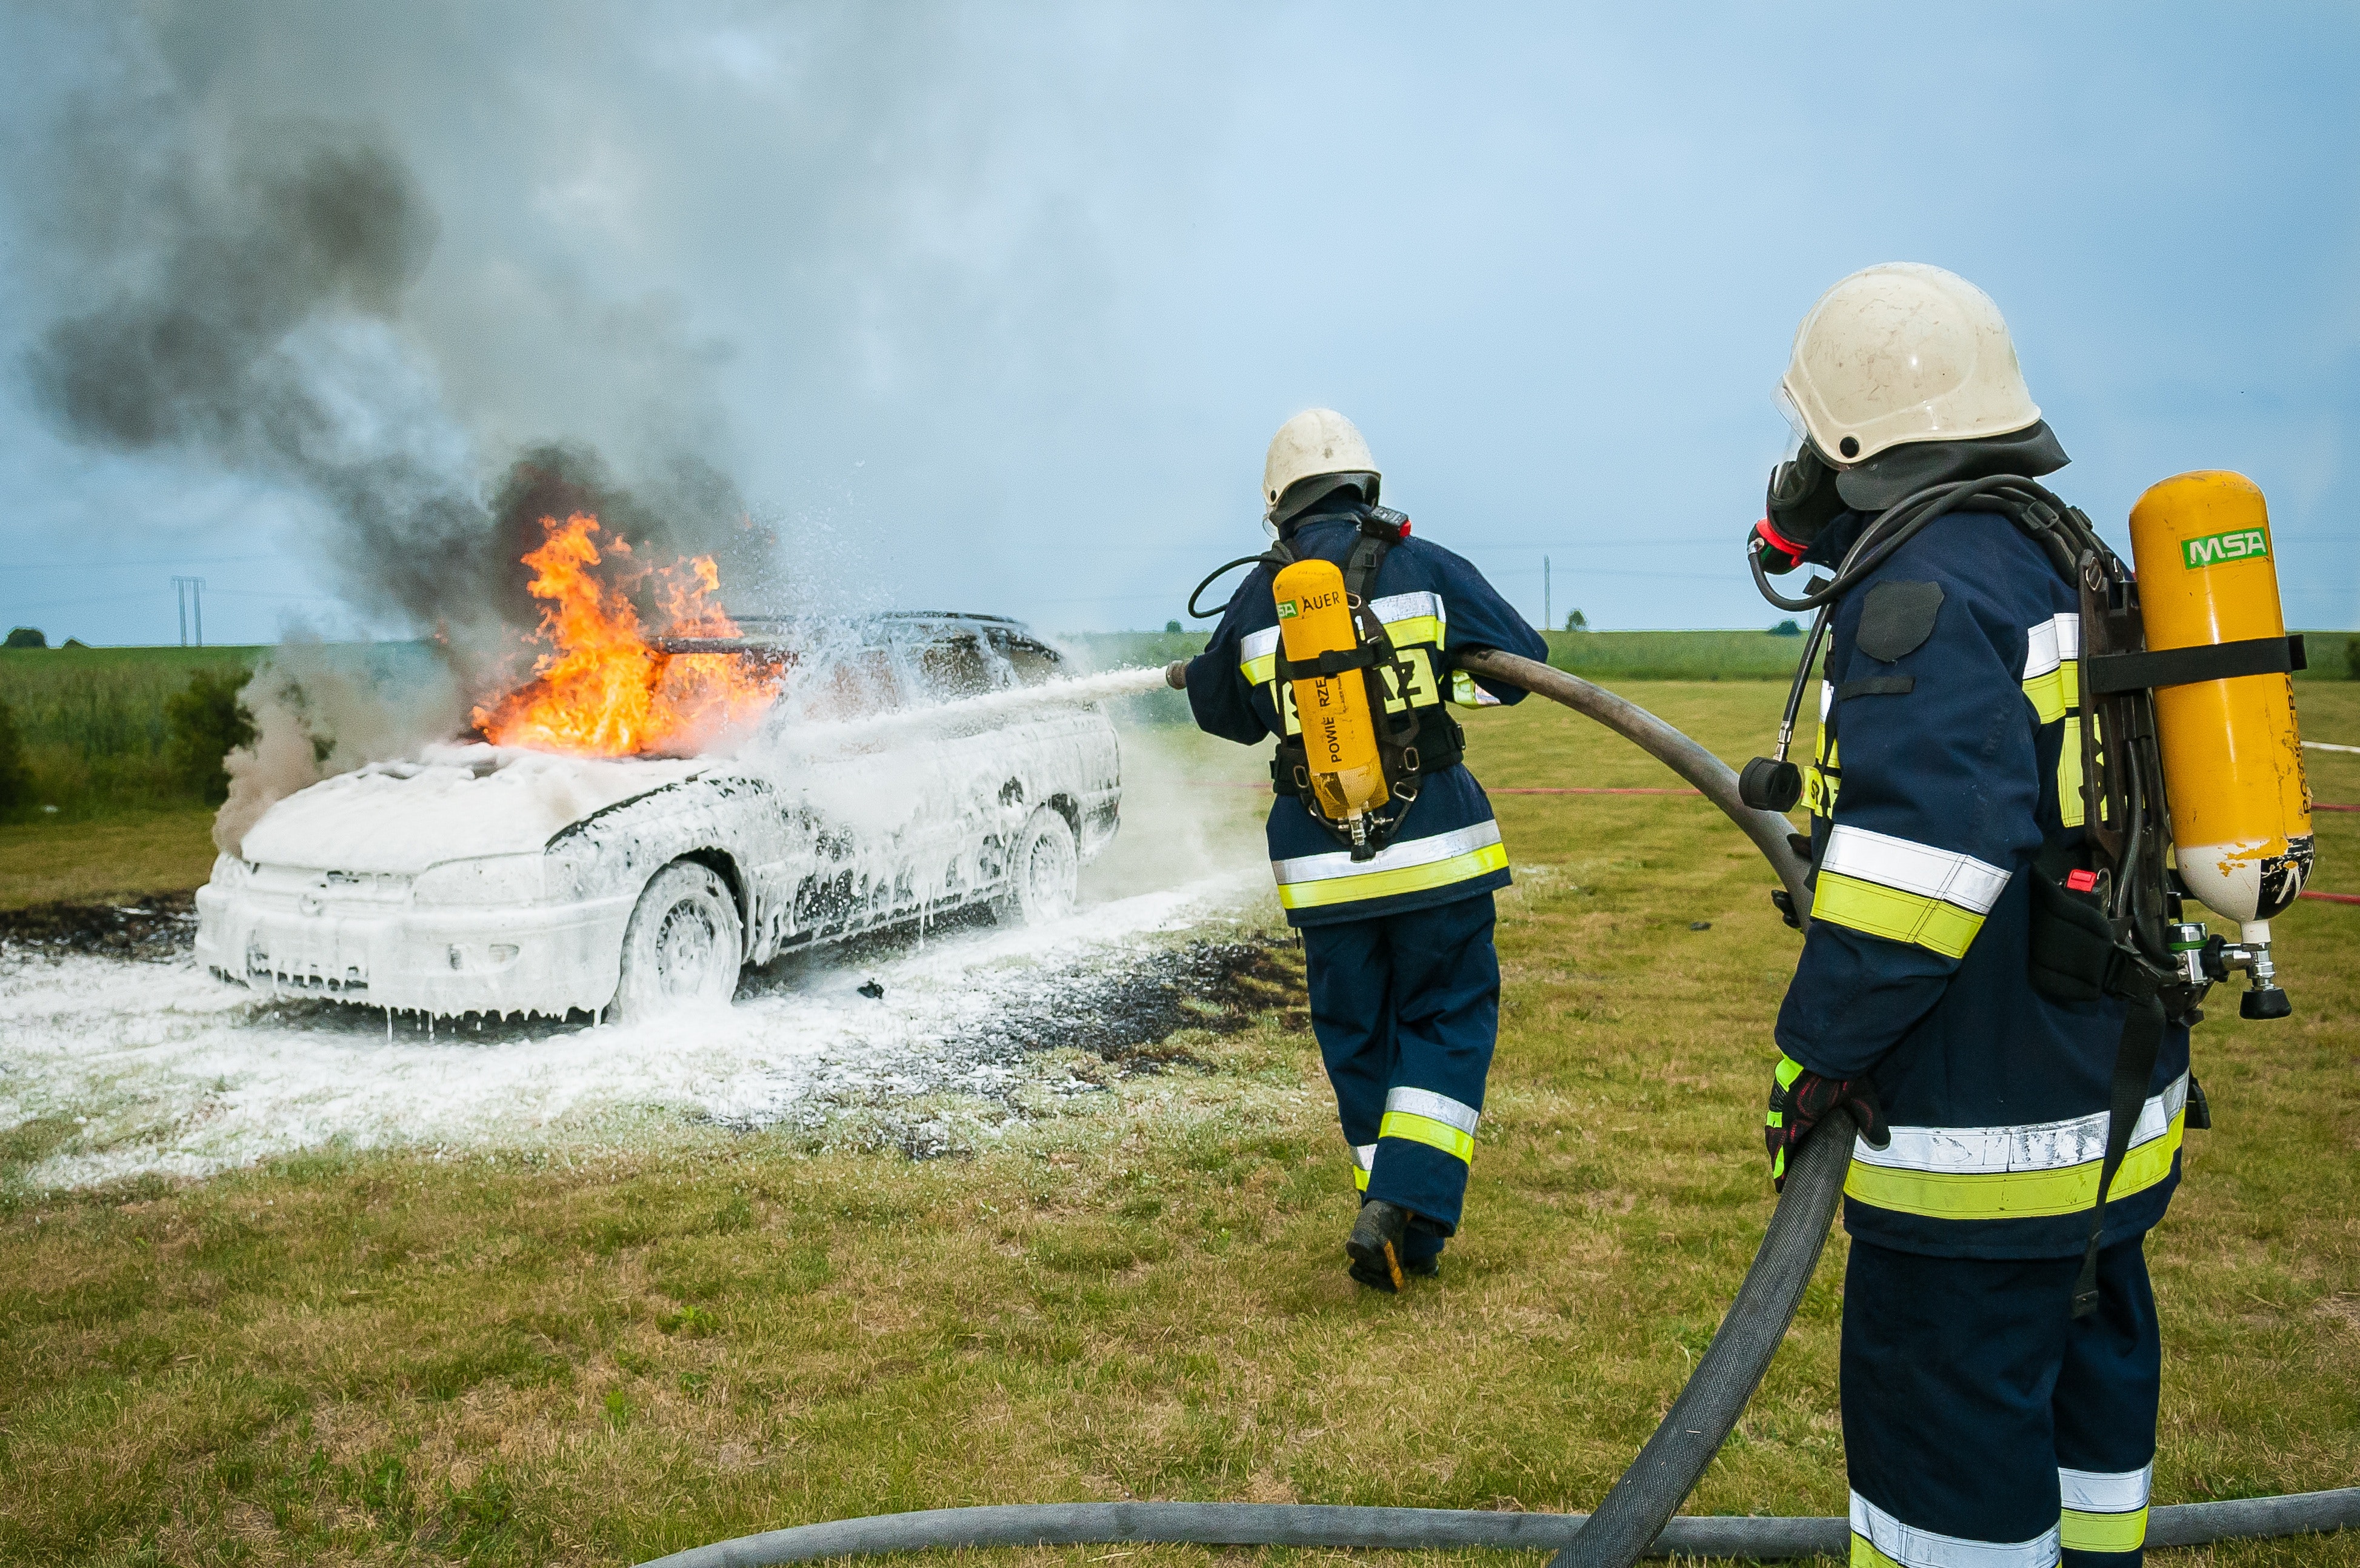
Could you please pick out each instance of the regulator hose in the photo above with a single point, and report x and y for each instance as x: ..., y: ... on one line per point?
x: 1636, y: 1519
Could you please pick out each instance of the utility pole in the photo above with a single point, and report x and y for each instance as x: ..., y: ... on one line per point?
x: 1548, y: 609
x: 190, y: 593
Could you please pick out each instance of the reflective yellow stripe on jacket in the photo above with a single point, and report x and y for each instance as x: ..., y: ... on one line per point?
x: 1417, y: 618
x: 1905, y: 891
x: 1418, y: 626
x: 2017, y: 1173
x: 2052, y: 683
x: 1823, y: 775
x: 1310, y: 881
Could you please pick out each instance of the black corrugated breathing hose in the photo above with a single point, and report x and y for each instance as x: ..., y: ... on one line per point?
x: 1636, y: 1518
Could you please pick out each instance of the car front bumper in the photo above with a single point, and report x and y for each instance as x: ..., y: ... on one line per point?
x: 544, y: 959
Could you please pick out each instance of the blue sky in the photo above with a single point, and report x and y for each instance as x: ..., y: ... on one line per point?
x: 994, y: 308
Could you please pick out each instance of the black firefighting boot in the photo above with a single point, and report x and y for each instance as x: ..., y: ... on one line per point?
x: 1375, y: 1247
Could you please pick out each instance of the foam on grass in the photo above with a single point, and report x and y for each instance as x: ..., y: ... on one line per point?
x: 165, y: 1070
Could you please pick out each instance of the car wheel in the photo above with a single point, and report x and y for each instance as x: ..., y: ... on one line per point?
x: 1043, y: 869
x: 683, y: 945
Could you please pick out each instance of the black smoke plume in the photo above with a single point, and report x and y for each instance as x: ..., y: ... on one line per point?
x: 255, y: 316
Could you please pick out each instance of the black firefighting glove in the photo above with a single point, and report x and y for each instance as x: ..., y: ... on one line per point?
x: 1800, y: 1099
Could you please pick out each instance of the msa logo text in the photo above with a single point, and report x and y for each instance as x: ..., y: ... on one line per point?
x: 2214, y: 549
x: 1286, y: 609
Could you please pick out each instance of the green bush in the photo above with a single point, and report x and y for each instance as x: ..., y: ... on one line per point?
x: 27, y: 637
x: 207, y: 722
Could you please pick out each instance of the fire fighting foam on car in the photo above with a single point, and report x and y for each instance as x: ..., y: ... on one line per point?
x: 646, y: 814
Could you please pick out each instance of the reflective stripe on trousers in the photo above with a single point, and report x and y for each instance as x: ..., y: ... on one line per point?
x: 2104, y: 1510
x: 1880, y: 1540
x: 1310, y: 881
x: 2020, y: 1172
x: 1435, y: 1119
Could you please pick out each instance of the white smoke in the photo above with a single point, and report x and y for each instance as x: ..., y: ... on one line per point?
x: 321, y: 709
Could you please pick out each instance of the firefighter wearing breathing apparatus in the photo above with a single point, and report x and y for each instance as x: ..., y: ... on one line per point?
x: 1998, y: 975
x: 1339, y: 643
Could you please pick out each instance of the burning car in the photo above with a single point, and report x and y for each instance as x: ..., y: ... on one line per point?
x: 589, y: 868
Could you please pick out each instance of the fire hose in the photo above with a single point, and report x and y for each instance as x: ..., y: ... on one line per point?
x: 1636, y: 1518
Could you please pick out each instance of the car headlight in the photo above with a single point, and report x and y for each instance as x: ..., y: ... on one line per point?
x: 490, y: 879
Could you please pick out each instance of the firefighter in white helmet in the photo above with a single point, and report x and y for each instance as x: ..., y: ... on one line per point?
x: 2001, y: 1360
x: 1397, y: 944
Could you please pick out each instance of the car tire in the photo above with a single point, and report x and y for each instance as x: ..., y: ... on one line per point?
x: 684, y: 944
x: 1044, y: 871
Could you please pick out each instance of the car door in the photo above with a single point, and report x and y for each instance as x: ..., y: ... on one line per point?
x: 864, y: 795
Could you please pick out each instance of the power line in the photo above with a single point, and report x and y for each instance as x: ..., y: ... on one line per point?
x: 151, y: 561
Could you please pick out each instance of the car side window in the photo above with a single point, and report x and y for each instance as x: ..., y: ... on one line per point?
x: 859, y: 682
x: 956, y: 665
x: 1030, y: 663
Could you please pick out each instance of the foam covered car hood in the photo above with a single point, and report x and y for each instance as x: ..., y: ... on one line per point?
x: 453, y: 803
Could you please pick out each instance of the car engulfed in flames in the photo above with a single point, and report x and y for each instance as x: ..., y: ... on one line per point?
x: 585, y: 857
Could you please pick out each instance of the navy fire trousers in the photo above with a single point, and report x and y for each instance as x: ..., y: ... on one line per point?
x: 1406, y: 1009
x: 1984, y: 1422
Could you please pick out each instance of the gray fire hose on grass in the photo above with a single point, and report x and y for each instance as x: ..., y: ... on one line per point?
x: 1637, y: 1517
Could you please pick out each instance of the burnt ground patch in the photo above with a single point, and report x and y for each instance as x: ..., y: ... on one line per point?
x: 1131, y: 1016
x: 156, y: 928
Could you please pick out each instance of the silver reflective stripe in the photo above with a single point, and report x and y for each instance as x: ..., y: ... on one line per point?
x: 2106, y: 1491
x: 1408, y: 607
x: 1827, y: 699
x: 2051, y: 643
x: 1921, y: 869
x: 2037, y: 1146
x: 1433, y: 1108
x: 1915, y: 1548
x: 1365, y: 1156
x: 1394, y: 857
x: 1257, y: 645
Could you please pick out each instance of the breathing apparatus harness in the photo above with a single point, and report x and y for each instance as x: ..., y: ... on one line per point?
x: 2106, y: 915
x: 1411, y: 744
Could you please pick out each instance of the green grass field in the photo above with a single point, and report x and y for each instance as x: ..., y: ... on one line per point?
x: 96, y: 736
x: 123, y: 854
x: 398, y: 1358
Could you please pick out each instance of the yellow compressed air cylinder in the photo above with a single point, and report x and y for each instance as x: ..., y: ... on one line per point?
x: 2232, y: 754
x: 1340, y: 735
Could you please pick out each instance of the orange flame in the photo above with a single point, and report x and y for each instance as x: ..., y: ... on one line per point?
x: 604, y: 691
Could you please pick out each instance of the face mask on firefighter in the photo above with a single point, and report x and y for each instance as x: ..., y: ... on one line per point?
x: 1801, y: 501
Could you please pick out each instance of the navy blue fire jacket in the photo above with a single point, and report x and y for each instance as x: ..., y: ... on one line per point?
x: 1431, y: 602
x: 1949, y: 751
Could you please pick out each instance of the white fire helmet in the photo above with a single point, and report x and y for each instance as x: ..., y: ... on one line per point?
x: 1317, y: 441
x: 1899, y: 353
